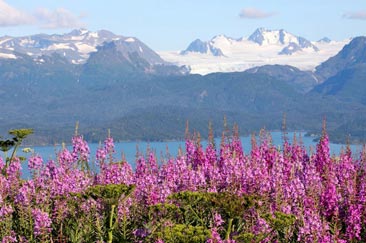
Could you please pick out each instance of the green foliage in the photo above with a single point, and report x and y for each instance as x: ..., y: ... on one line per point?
x: 110, y: 194
x: 197, y: 209
x: 5, y: 145
x: 20, y: 134
x: 182, y: 233
x: 99, y: 223
x: 245, y: 238
x: 282, y: 224
x: 23, y: 222
x: 79, y: 225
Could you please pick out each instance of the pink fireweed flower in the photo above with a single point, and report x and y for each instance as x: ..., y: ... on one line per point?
x: 190, y: 150
x: 322, y: 156
x: 217, y: 220
x: 35, y: 162
x: 14, y: 169
x: 12, y: 238
x: 65, y: 158
x: 313, y: 226
x: 25, y: 193
x: 124, y: 207
x: 354, y: 222
x: 100, y: 156
x: 81, y: 149
x: 42, y: 222
x: 261, y: 228
x: 108, y: 149
x: 2, y: 163
x: 330, y: 197
x: 5, y: 210
x: 109, y: 145
x: 116, y: 173
x: 215, y: 237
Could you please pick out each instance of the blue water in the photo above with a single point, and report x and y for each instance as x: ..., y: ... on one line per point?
x: 165, y: 149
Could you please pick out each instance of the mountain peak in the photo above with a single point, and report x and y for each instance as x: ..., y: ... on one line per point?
x: 106, y: 34
x: 359, y: 41
x: 221, y: 37
x: 77, y: 46
x: 204, y: 47
x: 264, y: 36
x: 281, y: 37
x: 324, y: 40
x: 81, y: 31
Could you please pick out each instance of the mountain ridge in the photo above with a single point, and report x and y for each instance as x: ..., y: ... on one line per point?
x: 140, y: 98
x: 76, y: 46
x: 289, y: 42
x: 263, y: 47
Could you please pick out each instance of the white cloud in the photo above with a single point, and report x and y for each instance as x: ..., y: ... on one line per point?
x: 253, y: 13
x: 355, y: 15
x: 59, y: 18
x: 10, y: 16
x: 43, y: 17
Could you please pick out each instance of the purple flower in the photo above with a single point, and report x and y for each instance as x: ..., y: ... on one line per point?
x: 12, y: 238
x: 65, y: 158
x: 80, y: 150
x: 5, y: 211
x: 354, y: 222
x: 2, y: 164
x: 101, y: 155
x: 215, y: 237
x: 140, y: 233
x: 42, y: 222
x: 35, y: 162
x: 25, y: 192
x: 218, y: 221
x: 109, y: 145
x: 13, y: 171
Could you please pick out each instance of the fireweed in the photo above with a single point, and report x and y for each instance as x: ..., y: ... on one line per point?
x: 212, y: 194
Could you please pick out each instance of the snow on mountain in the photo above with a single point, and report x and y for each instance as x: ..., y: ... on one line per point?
x: 7, y: 56
x: 199, y: 46
x: 76, y: 46
x: 261, y: 48
x: 130, y: 39
x: 263, y: 36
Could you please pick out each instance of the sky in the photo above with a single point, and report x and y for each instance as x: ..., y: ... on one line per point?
x: 173, y: 24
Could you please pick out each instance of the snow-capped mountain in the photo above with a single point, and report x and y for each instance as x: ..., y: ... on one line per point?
x: 75, y: 46
x: 281, y: 37
x: 324, y: 40
x: 203, y: 47
x: 287, y: 42
x: 225, y: 54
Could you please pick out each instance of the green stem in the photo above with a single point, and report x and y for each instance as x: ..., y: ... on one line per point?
x: 228, y: 231
x: 110, y: 226
x: 198, y: 217
x: 14, y: 151
x: 8, y: 161
x: 124, y: 227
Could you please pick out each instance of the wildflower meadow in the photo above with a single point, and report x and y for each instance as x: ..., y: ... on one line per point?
x: 216, y: 194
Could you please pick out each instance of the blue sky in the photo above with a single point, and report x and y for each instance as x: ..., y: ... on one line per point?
x: 173, y: 24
